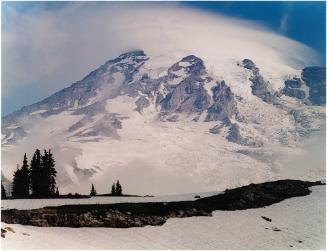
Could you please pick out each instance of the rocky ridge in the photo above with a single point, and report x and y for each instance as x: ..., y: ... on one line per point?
x: 186, y: 88
x: 156, y: 214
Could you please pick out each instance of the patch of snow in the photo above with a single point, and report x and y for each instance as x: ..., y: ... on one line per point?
x: 6, y: 139
x: 301, y: 222
x: 180, y: 72
x: 38, y: 112
x: 123, y: 105
x: 184, y: 64
x: 12, y: 127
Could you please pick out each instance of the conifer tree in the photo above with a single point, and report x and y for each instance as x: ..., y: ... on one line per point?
x: 25, y: 178
x: 17, y: 183
x: 53, y: 173
x: 45, y: 174
x: 113, y: 189
x: 93, y: 191
x: 3, y: 192
x: 119, y: 189
x: 57, y: 192
x: 36, y: 174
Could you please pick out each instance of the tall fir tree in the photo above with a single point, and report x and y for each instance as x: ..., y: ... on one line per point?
x: 45, y: 174
x: 93, y: 191
x: 119, y: 189
x: 25, y: 178
x: 21, y: 181
x: 57, y: 192
x: 3, y: 192
x: 53, y: 173
x: 113, y: 189
x: 36, y: 174
x: 17, y: 184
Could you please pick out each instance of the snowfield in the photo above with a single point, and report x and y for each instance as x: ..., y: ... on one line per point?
x: 297, y: 223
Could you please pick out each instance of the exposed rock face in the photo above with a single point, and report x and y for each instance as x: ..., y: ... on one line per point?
x: 315, y: 79
x: 311, y: 88
x: 155, y: 214
x: 260, y: 87
x: 187, y: 97
x: 96, y: 217
x: 234, y: 135
x: 142, y: 103
x: 224, y: 105
x: 248, y: 64
x: 184, y: 87
x: 258, y: 195
x: 295, y: 88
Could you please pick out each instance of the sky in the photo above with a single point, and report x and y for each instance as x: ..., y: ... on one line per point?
x: 46, y: 46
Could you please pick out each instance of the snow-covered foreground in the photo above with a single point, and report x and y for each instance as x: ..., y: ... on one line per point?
x: 39, y: 203
x: 301, y: 222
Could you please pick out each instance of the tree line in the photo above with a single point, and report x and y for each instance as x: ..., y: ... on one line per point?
x: 37, y: 179
x: 116, y: 190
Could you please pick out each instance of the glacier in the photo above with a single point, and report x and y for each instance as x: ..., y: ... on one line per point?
x: 187, y: 126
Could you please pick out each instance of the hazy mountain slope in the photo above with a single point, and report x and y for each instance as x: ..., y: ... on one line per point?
x: 151, y: 123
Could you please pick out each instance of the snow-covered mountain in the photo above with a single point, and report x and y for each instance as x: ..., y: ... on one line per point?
x: 163, y: 127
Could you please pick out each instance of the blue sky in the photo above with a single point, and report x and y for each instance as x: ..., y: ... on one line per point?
x: 30, y: 72
x: 302, y: 21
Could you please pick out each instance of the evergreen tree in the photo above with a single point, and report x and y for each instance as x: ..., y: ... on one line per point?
x: 57, y: 192
x: 43, y: 174
x: 17, y: 190
x: 93, y: 191
x: 119, y: 189
x: 53, y: 173
x: 36, y: 174
x: 113, y: 189
x: 3, y: 192
x: 25, y: 178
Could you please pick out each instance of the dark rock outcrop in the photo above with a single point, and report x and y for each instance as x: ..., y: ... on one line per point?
x: 266, y: 218
x: 224, y: 105
x: 315, y: 79
x: 188, y: 95
x: 155, y: 214
x: 142, y: 103
x: 234, y: 135
x: 260, y: 87
x: 311, y: 88
x: 295, y: 88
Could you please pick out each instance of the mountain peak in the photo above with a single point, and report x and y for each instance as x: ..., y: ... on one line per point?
x: 124, y: 101
x: 190, y: 64
x: 134, y: 54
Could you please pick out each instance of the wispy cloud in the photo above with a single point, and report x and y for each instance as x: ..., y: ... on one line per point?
x: 284, y: 22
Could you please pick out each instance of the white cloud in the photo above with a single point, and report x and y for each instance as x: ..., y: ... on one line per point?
x: 48, y: 50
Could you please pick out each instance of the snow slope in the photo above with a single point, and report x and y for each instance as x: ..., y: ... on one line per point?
x: 170, y: 119
x: 301, y: 222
